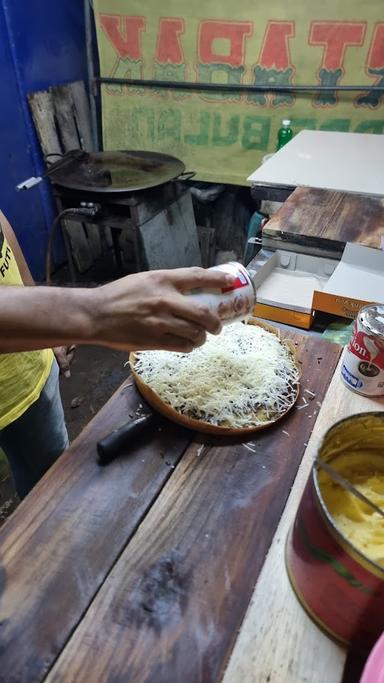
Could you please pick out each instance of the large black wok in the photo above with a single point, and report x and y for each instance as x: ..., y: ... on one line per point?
x: 115, y: 172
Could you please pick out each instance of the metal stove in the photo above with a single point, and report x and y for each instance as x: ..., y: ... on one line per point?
x: 132, y: 191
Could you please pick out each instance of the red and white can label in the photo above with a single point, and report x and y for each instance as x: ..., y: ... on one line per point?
x: 231, y: 303
x: 363, y: 362
x: 242, y: 279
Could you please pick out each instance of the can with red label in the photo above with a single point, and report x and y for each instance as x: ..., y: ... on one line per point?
x: 362, y: 368
x: 231, y: 303
x: 340, y: 587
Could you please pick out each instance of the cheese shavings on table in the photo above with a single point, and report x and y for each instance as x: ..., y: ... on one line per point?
x: 243, y: 377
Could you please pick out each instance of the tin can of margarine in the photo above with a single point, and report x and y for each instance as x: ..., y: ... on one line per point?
x: 362, y: 368
x: 231, y: 303
x: 333, y: 549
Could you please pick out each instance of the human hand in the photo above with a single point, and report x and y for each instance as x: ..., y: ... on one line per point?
x: 64, y: 356
x: 148, y: 310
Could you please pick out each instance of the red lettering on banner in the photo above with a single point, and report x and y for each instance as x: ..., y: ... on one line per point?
x: 124, y: 34
x: 376, y: 52
x: 234, y: 32
x: 168, y: 47
x: 336, y: 36
x: 275, y: 51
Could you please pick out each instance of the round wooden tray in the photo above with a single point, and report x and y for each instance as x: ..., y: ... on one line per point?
x: 165, y: 409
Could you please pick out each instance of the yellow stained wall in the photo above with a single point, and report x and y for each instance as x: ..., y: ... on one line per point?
x: 224, y: 136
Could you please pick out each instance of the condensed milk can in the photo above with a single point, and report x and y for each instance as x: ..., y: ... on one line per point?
x: 362, y: 367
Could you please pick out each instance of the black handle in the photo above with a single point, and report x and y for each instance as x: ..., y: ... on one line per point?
x: 111, y: 445
x: 187, y: 175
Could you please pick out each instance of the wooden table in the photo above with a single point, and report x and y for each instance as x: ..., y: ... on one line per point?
x: 321, y: 222
x: 167, y: 564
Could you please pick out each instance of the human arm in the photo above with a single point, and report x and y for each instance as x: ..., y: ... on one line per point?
x: 142, y: 311
x: 63, y: 354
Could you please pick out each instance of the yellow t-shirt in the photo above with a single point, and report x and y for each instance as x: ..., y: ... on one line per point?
x: 22, y: 375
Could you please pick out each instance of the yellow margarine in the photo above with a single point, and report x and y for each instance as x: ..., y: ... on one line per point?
x: 358, y: 522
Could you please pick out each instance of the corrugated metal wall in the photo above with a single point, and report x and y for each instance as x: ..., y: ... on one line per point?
x: 42, y: 43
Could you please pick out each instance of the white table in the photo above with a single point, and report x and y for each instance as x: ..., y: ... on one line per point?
x: 349, y: 162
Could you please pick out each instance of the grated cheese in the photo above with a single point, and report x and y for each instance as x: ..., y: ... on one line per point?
x: 243, y: 377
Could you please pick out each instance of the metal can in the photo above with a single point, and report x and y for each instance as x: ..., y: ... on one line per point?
x: 339, y: 586
x: 362, y: 368
x: 231, y: 303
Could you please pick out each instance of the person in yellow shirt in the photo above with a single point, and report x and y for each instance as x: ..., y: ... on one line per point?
x: 141, y: 311
x: 32, y: 426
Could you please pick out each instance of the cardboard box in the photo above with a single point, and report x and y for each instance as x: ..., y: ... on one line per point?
x: 356, y: 281
x: 285, y: 283
x: 291, y: 287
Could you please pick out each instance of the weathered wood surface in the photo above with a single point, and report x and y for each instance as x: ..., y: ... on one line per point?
x: 278, y: 642
x: 62, y: 120
x: 72, y: 116
x: 65, y: 117
x: 171, y: 607
x: 169, y: 239
x: 59, y: 545
x: 326, y: 220
x: 207, y: 244
x: 82, y: 114
x: 44, y: 120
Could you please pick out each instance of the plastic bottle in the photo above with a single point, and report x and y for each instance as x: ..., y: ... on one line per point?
x: 284, y: 134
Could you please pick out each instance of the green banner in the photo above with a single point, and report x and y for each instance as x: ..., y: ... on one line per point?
x: 223, y: 136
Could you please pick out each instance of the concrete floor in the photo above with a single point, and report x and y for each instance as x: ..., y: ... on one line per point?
x: 96, y: 372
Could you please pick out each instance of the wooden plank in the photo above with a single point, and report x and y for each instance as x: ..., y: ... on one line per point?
x: 82, y: 117
x: 127, y: 248
x: 59, y: 545
x: 43, y: 115
x: 169, y: 240
x: 93, y: 234
x: 80, y: 110
x: 207, y: 245
x: 85, y: 244
x: 326, y: 220
x: 171, y: 608
x: 62, y: 121
x: 64, y: 113
x: 50, y: 109
x: 80, y: 247
x: 278, y: 642
x: 82, y: 114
